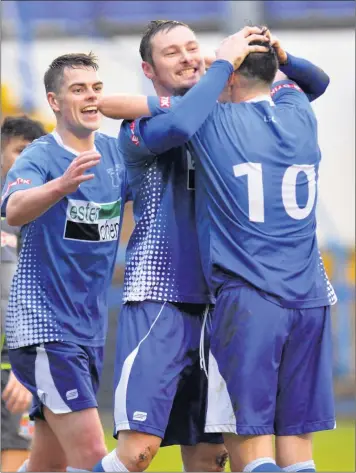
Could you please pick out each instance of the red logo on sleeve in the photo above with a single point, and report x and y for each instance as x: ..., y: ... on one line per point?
x: 165, y: 102
x: 18, y: 181
x: 134, y: 138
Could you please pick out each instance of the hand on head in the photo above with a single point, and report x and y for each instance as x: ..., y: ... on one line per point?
x: 236, y: 47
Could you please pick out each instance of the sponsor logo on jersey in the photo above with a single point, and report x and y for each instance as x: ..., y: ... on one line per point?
x: 90, y: 221
x: 18, y: 181
x: 140, y: 416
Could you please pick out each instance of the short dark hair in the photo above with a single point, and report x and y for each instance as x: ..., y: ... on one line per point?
x: 151, y: 30
x: 260, y: 66
x: 23, y: 127
x: 54, y: 74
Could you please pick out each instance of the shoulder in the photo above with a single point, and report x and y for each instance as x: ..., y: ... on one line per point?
x: 39, y: 146
x: 108, y: 144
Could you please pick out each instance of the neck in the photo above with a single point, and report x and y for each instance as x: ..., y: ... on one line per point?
x: 78, y: 141
x: 243, y: 94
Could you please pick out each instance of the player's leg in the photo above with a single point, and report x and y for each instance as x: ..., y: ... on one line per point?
x: 248, y: 335
x: 204, y: 457
x: 47, y: 453
x: 152, y: 352
x: 81, y: 436
x: 14, y: 444
x: 305, y: 402
x: 63, y: 378
x: 200, y: 451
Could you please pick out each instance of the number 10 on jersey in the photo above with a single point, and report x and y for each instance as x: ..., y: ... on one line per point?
x: 256, y: 205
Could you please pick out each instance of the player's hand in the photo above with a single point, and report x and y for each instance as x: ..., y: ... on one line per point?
x: 75, y: 173
x: 17, y: 398
x: 236, y: 47
x: 208, y: 60
x: 275, y: 43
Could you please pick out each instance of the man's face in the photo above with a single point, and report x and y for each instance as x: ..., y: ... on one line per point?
x: 178, y: 63
x: 11, y: 149
x: 76, y: 103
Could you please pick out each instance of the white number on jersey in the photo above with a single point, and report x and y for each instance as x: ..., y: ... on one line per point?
x: 289, y: 187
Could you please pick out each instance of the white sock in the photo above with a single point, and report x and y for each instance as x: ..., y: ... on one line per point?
x: 23, y: 467
x: 112, y: 463
x: 300, y: 466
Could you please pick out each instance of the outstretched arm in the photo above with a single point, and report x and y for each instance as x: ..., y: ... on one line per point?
x: 310, y: 78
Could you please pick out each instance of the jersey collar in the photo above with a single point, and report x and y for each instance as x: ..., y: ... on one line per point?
x: 261, y: 98
x: 68, y: 148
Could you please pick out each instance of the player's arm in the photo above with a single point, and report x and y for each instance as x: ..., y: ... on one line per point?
x: 310, y: 78
x: 143, y: 138
x: 28, y: 192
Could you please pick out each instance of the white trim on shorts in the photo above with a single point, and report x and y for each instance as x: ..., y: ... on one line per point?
x: 46, y: 388
x: 220, y: 416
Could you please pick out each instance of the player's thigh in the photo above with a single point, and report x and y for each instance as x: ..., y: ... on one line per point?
x: 305, y: 401
x: 156, y: 342
x: 248, y: 334
x: 204, y: 457
x: 47, y: 453
x: 81, y: 436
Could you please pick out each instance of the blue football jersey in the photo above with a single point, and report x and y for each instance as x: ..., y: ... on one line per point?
x: 162, y: 257
x: 59, y: 292
x: 257, y: 166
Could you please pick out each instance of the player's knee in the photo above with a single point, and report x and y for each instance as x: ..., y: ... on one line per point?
x: 205, y: 457
x: 137, y: 450
x: 90, y: 452
x: 139, y: 457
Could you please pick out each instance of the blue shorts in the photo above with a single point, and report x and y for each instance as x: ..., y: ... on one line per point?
x: 160, y: 389
x: 270, y: 368
x: 62, y: 376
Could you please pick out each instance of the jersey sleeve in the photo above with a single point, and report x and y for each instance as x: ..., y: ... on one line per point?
x: 132, y: 144
x: 30, y: 170
x: 158, y: 105
x: 289, y: 93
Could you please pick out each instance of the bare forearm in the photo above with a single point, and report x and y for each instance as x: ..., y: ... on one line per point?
x: 27, y: 205
x: 124, y: 107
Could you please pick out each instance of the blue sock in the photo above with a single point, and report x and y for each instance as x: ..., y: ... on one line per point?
x: 301, y: 466
x: 98, y: 467
x: 262, y: 464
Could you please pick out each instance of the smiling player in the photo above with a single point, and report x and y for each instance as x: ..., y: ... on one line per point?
x: 68, y: 190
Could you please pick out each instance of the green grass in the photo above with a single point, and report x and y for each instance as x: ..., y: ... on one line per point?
x: 333, y: 451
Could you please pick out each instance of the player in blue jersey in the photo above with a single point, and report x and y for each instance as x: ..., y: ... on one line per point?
x: 257, y: 161
x: 67, y: 189
x: 160, y: 390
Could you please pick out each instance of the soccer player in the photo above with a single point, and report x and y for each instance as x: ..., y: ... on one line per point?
x: 270, y: 363
x: 16, y: 134
x: 160, y: 390
x: 67, y: 189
